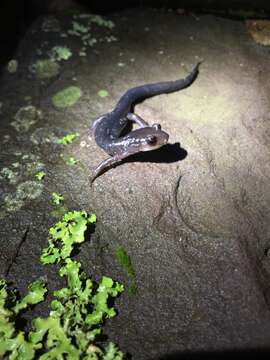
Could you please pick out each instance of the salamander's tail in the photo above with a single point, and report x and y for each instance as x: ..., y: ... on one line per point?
x: 139, y: 93
x: 191, y: 76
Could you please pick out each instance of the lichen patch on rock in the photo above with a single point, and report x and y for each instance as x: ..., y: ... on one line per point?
x: 67, y: 97
x: 46, y: 69
x: 25, y: 117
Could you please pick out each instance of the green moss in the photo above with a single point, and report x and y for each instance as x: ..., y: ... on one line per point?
x: 125, y: 261
x: 67, y: 97
x: 46, y: 69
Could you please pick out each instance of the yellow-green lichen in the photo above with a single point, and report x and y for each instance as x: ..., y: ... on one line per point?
x: 67, y: 97
x: 46, y: 69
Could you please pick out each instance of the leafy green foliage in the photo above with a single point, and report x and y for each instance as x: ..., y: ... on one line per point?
x: 57, y: 198
x: 77, y: 310
x: 40, y: 175
x: 65, y: 234
x: 68, y: 139
x: 11, y: 340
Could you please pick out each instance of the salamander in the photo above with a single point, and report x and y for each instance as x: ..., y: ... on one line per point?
x: 108, y: 128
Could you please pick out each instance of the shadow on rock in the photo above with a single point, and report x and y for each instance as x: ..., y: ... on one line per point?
x: 168, y: 153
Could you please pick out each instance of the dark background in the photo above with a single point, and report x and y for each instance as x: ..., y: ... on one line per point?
x: 17, y: 15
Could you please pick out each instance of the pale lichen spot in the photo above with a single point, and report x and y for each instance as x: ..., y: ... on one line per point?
x: 29, y: 190
x: 26, y: 117
x: 46, y: 69
x: 12, y: 66
x: 8, y: 174
x: 43, y: 136
x: 12, y: 203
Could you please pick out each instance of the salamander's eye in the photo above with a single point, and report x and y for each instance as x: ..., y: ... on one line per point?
x: 157, y: 126
x: 151, y: 139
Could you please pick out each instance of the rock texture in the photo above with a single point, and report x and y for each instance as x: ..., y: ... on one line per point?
x: 194, y: 216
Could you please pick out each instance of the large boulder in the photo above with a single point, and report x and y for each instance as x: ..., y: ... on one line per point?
x: 193, y: 216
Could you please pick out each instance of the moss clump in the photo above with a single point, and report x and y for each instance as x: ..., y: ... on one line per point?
x: 46, y: 69
x: 67, y: 97
x: 125, y: 261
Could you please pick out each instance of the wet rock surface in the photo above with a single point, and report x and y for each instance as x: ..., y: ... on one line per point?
x: 193, y: 217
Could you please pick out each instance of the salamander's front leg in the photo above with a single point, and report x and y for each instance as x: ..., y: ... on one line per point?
x: 106, y: 164
x: 137, y: 119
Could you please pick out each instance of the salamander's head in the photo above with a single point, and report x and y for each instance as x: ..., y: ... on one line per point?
x: 147, y: 138
x: 153, y: 137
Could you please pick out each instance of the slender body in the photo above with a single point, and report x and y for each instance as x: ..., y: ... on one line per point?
x: 108, y: 128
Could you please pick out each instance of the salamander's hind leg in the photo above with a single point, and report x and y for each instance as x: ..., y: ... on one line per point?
x: 92, y: 128
x: 137, y: 119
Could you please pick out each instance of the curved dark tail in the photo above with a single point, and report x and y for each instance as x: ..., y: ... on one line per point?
x: 139, y: 93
